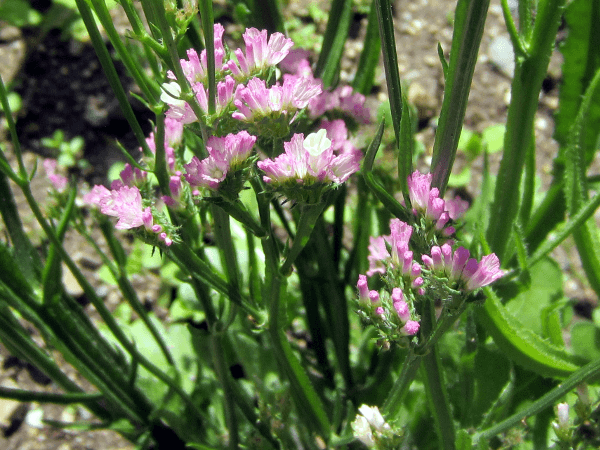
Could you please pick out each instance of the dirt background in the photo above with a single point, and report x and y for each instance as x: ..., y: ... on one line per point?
x: 62, y: 87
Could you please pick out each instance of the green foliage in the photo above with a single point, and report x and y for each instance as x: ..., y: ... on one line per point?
x: 70, y: 153
x: 19, y: 13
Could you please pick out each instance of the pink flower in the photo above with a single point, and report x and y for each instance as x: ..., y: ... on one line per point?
x: 195, y: 68
x: 181, y: 111
x: 458, y: 267
x: 255, y: 101
x: 296, y: 62
x: 95, y: 196
x: 125, y: 204
x: 225, y: 154
x: 342, y: 99
x: 363, y: 288
x: 260, y: 54
x: 59, y: 182
x: 456, y: 207
x: 485, y: 272
x: 419, y: 189
x: 378, y: 253
x: 308, y: 161
x: 410, y: 328
x: 207, y: 173
x: 233, y: 148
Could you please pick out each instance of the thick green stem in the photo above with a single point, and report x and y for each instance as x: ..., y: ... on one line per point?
x: 527, y: 81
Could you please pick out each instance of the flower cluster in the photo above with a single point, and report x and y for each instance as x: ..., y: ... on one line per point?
x: 59, y: 182
x: 342, y: 101
x: 245, y: 101
x: 125, y: 203
x: 461, y: 271
x: 241, y: 94
x: 391, y: 309
x: 279, y: 104
x: 229, y: 158
x: 435, y: 213
x: 445, y: 273
x: 308, y: 168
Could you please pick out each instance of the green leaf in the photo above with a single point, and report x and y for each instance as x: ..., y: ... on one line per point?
x: 469, y: 20
x: 576, y: 189
x: 390, y: 63
x: 338, y: 25
x: 493, y: 138
x: 585, y: 340
x: 521, y: 344
x: 369, y: 57
x: 544, y: 289
x: 19, y: 13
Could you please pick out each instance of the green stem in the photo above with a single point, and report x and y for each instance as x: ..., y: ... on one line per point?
x: 111, y: 73
x: 125, y: 285
x: 587, y: 372
x: 586, y: 211
x: 206, y: 15
x: 23, y: 175
x: 393, y: 403
x: 527, y: 81
x: 222, y: 372
x: 22, y: 395
x: 435, y: 387
x: 306, y: 399
x: 227, y: 250
x: 308, y: 218
x: 148, y: 87
x: 186, y: 91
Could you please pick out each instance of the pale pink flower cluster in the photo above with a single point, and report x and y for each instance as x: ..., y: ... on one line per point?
x: 255, y: 101
x: 125, y: 203
x: 173, y: 138
x: 260, y: 53
x: 425, y: 200
x: 130, y: 176
x: 181, y: 111
x: 392, y: 253
x: 338, y: 133
x: 459, y: 268
x: 343, y: 98
x: 226, y: 154
x: 398, y: 314
x: 59, y: 182
x: 308, y: 161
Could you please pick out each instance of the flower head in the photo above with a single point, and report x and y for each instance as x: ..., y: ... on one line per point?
x: 260, y: 54
x: 307, y: 163
x: 467, y: 272
x: 226, y: 154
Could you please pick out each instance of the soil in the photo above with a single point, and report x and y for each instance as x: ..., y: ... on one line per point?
x: 62, y: 87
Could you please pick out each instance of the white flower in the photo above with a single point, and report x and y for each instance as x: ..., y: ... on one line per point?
x: 317, y: 143
x: 170, y: 94
x: 374, y: 417
x: 362, y: 431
